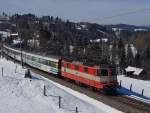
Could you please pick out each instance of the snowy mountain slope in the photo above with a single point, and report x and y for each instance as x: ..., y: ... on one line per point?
x: 20, y: 95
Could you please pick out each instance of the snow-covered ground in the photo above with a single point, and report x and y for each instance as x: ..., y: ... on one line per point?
x: 137, y: 87
x: 21, y: 95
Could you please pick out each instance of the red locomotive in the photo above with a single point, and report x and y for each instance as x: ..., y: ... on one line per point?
x: 95, y: 76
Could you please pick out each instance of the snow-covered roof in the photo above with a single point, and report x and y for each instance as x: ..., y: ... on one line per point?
x: 17, y: 41
x: 5, y: 34
x: 136, y: 71
x: 14, y: 34
x: 98, y: 40
x: 101, y: 31
x: 140, y: 29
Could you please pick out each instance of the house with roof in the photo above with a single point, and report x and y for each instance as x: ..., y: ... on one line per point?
x: 134, y: 71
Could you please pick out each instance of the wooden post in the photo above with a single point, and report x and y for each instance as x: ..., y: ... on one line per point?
x: 120, y: 83
x: 2, y: 72
x: 21, y: 53
x: 16, y: 69
x: 7, y: 56
x: 131, y: 87
x: 76, y: 109
x: 44, y: 90
x: 21, y: 59
x: 142, y: 92
x: 59, y: 101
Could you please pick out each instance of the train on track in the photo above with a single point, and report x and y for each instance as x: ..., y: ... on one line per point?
x: 98, y: 77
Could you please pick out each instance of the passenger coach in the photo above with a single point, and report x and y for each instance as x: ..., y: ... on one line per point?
x: 47, y: 64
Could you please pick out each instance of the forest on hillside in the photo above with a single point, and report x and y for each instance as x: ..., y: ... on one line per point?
x: 86, y: 42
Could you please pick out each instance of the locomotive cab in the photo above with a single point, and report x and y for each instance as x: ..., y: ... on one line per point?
x: 108, y: 77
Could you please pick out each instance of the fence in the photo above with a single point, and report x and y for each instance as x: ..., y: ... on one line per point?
x: 76, y: 110
x: 131, y: 87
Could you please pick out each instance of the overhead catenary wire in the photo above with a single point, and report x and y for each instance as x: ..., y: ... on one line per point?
x: 121, y: 14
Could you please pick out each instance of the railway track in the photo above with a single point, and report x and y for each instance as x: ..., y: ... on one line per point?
x: 122, y: 103
x: 140, y: 106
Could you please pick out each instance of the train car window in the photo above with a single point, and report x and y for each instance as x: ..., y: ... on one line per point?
x: 42, y: 61
x: 98, y: 72
x: 68, y: 65
x: 54, y: 64
x: 76, y: 67
x: 49, y: 63
x: 64, y: 64
x: 33, y: 58
x: 28, y: 57
x: 85, y: 69
x: 36, y: 59
x: 94, y: 71
x: 45, y: 62
x: 104, y: 72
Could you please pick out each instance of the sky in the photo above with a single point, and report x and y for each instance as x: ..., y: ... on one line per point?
x: 83, y: 10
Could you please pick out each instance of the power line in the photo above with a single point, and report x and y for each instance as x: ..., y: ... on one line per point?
x: 122, y: 14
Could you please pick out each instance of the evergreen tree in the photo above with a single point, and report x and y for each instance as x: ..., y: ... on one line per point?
x: 121, y: 53
x: 130, y: 57
x: 137, y: 60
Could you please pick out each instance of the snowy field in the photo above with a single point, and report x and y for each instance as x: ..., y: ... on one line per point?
x: 137, y: 87
x: 20, y: 95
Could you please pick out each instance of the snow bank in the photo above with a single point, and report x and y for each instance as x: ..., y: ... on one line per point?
x: 137, y: 85
x: 20, y: 95
x: 87, y: 99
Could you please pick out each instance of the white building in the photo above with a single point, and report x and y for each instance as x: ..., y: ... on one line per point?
x: 5, y: 34
x: 140, y: 30
x: 99, y: 40
x: 133, y: 70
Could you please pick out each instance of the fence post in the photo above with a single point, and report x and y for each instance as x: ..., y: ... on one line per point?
x: 44, y: 90
x: 2, y: 72
x: 59, y: 101
x: 142, y: 92
x: 16, y: 69
x: 76, y: 109
x: 131, y: 87
x: 120, y: 83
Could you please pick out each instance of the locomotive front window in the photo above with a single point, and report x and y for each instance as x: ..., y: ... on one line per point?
x: 76, y: 67
x: 104, y: 72
x: 68, y: 65
x: 86, y: 70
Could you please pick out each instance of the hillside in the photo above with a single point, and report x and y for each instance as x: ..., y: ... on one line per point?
x: 23, y: 95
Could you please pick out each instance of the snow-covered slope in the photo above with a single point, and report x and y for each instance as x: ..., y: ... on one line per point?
x: 137, y: 87
x: 20, y: 95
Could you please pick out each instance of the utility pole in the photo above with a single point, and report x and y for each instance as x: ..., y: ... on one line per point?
x: 20, y: 46
x: 21, y: 55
